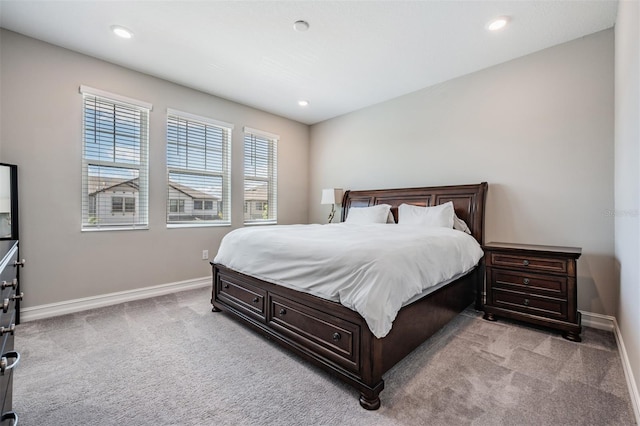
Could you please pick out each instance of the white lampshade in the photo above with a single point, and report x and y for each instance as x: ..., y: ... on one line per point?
x: 331, y: 196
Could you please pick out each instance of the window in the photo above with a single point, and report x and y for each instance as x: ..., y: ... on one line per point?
x: 260, y: 176
x: 129, y: 205
x: 114, y: 161
x: 176, y: 206
x: 198, y: 170
x: 117, y: 205
x: 123, y: 205
x: 202, y: 205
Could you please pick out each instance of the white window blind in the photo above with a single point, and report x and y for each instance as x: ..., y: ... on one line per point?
x: 115, y: 182
x: 260, y: 177
x: 198, y: 170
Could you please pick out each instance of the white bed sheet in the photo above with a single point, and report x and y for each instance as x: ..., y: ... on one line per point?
x: 371, y: 269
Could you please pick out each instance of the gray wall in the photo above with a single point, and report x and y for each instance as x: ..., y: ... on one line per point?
x: 627, y: 178
x: 539, y: 129
x: 41, y: 119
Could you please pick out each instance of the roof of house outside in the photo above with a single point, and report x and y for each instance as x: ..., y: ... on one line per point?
x: 193, y: 193
x: 257, y: 193
x: 100, y: 183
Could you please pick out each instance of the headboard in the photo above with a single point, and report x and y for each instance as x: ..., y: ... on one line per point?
x: 468, y: 201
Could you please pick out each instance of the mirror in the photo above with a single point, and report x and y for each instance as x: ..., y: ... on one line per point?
x: 8, y: 202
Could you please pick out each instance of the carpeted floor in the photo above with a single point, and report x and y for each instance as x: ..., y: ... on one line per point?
x: 171, y: 361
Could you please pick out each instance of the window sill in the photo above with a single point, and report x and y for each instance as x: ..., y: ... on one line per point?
x: 197, y: 225
x: 265, y: 222
x: 115, y: 228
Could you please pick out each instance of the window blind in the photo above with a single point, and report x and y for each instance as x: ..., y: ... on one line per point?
x: 198, y: 170
x: 260, y: 177
x: 115, y: 182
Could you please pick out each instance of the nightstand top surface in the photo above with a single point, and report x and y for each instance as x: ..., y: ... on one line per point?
x: 575, y: 251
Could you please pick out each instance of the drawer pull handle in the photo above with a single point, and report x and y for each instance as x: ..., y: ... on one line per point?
x: 256, y: 300
x: 5, y: 306
x: 526, y: 302
x: 20, y: 263
x: 336, y: 337
x: 4, y: 330
x: 526, y: 281
x: 225, y: 286
x: 525, y: 262
x: 13, y: 284
x: 3, y: 361
x: 10, y: 415
x: 17, y: 296
x: 283, y: 311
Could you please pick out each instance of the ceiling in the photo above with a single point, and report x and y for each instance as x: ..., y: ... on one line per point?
x: 355, y: 53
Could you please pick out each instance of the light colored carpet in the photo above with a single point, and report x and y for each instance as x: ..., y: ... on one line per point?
x: 171, y: 361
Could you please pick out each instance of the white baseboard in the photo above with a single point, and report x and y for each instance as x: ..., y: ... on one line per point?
x: 609, y: 323
x: 631, y: 383
x: 76, y: 305
x: 599, y: 321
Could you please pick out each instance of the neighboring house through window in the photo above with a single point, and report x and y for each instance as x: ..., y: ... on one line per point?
x: 260, y: 176
x: 198, y: 170
x: 114, y: 161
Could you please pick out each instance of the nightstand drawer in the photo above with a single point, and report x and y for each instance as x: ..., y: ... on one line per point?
x: 524, y: 302
x: 550, y: 285
x: 534, y: 263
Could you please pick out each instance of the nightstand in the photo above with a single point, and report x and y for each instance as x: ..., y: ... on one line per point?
x: 535, y: 284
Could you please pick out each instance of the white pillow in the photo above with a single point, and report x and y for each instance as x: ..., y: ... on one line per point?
x: 390, y: 218
x: 366, y: 215
x: 460, y: 224
x: 440, y: 216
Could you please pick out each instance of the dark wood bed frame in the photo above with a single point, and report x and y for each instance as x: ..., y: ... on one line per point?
x: 338, y: 339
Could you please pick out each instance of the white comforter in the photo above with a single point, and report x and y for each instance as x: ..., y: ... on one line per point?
x: 371, y: 269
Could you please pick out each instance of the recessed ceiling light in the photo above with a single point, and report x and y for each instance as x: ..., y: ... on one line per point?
x: 121, y: 31
x: 303, y: 103
x: 498, y: 23
x: 301, y: 26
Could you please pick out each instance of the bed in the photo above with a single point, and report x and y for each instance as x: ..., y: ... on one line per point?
x: 338, y: 339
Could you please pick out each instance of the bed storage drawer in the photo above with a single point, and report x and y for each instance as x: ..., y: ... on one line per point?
x: 242, y: 296
x: 328, y: 336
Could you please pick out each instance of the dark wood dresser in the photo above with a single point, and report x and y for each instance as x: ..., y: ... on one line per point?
x: 9, y: 266
x: 535, y: 284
